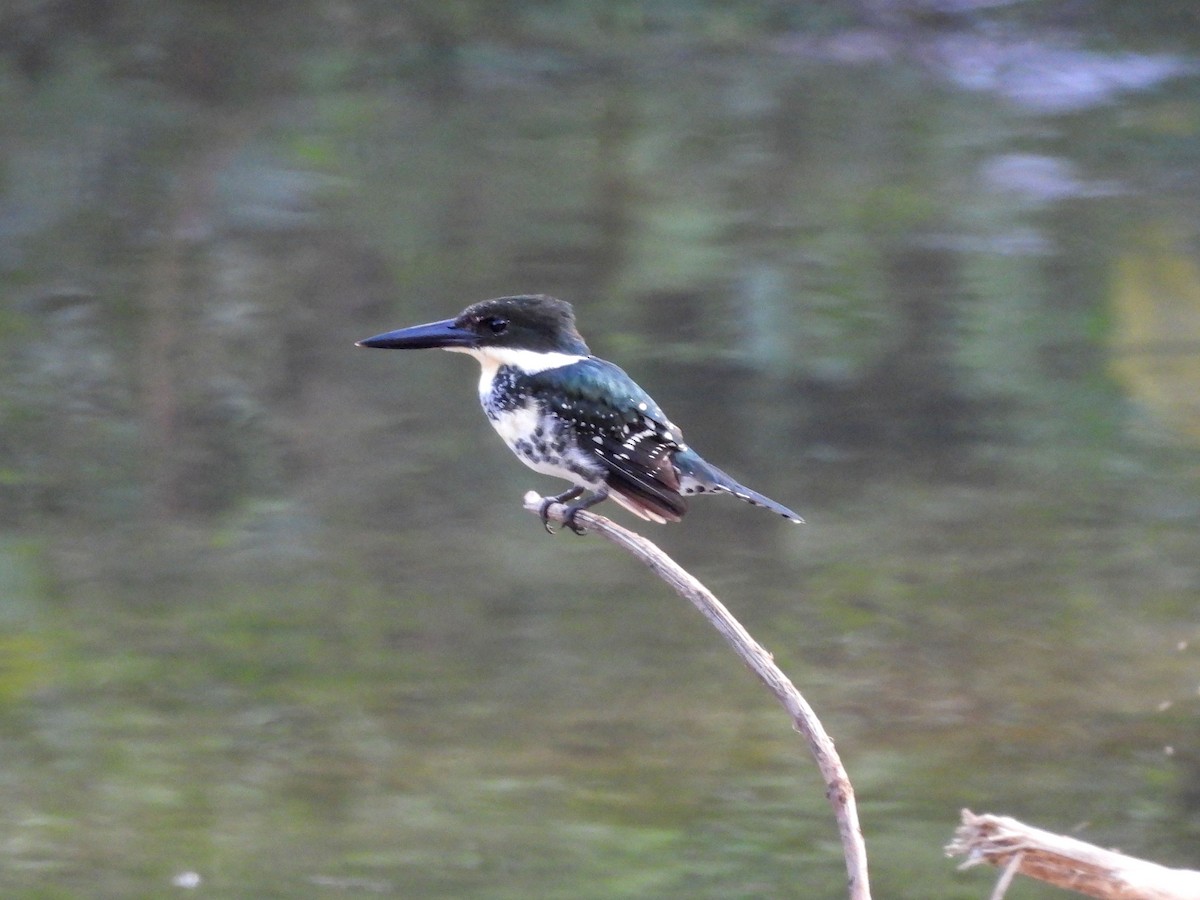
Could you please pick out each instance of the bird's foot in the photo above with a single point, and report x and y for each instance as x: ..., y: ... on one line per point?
x: 544, y: 513
x: 585, y: 503
x: 568, y: 517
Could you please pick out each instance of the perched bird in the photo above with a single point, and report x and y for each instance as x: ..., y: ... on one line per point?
x: 568, y: 414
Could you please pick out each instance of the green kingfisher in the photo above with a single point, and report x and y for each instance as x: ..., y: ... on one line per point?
x: 566, y: 413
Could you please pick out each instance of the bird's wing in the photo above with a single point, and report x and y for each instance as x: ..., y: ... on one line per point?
x: 641, y: 471
x: 630, y: 435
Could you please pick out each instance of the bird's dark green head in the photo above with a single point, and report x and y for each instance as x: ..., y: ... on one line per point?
x: 534, y: 322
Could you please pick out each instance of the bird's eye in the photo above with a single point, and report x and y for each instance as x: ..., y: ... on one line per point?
x: 496, y: 324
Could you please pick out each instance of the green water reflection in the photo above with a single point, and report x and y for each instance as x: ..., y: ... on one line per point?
x: 270, y: 612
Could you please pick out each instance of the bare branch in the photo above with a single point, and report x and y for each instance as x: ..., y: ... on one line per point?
x: 1066, y: 862
x: 838, y: 789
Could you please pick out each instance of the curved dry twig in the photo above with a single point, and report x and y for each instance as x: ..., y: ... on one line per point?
x: 838, y: 789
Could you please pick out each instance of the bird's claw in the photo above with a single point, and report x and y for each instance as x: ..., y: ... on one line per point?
x: 568, y: 518
x: 544, y: 514
x: 569, y: 521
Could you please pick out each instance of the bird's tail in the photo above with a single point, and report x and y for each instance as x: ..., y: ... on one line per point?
x: 697, y: 477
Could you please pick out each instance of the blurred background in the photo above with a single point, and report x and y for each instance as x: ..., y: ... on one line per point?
x: 273, y: 622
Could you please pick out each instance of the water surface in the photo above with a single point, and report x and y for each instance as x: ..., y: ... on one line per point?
x: 272, y: 620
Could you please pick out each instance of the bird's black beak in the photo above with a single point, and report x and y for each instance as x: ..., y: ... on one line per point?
x: 445, y: 334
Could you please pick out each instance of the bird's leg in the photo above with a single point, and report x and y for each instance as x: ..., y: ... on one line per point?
x: 569, y: 515
x: 565, y: 496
